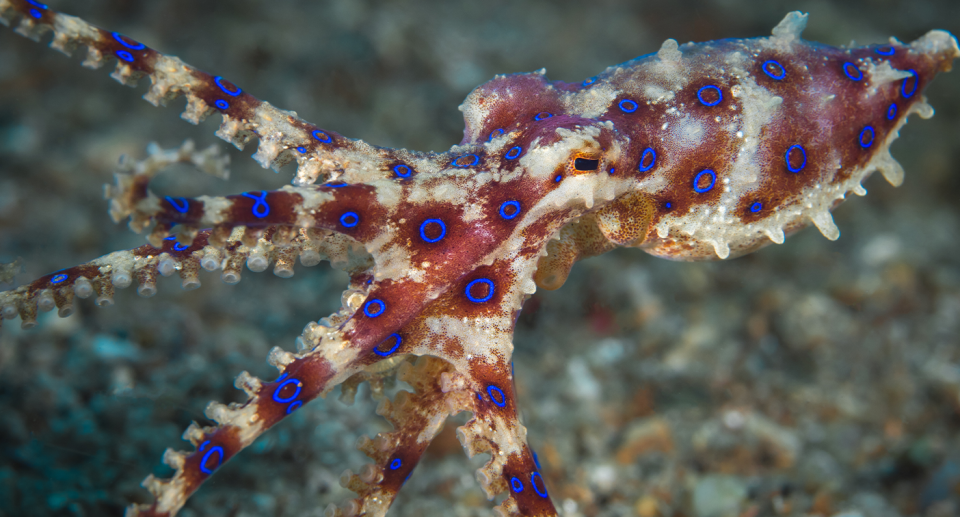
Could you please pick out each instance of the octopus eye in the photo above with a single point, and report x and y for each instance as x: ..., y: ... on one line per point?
x: 583, y: 164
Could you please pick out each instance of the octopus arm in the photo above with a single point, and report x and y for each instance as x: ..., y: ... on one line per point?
x: 283, y: 136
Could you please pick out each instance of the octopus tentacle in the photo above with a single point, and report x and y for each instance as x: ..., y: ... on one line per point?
x: 144, y: 264
x: 283, y: 136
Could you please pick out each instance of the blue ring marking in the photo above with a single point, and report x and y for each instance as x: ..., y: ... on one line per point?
x: 710, y: 86
x: 786, y: 158
x: 513, y: 153
x: 490, y: 288
x: 849, y: 69
x: 543, y: 115
x: 260, y: 207
x: 36, y: 14
x: 58, y: 278
x: 558, y: 178
x: 402, y: 171
x: 349, y: 219
x: 222, y: 104
x: 516, y: 484
x: 302, y: 149
x: 321, y: 136
x: 335, y: 185
x: 508, y: 204
x: 536, y: 460
x: 756, y: 206
x: 295, y: 406
x: 696, y: 181
x: 643, y: 157
x: 627, y: 106
x: 867, y: 131
x: 124, y: 55
x: 203, y: 461
x: 170, y: 238
x: 495, y: 133
x: 178, y: 203
x: 119, y: 38
x: 276, y: 392
x: 395, y: 464
x: 668, y: 205
x: 503, y: 400
x: 423, y: 232
x: 393, y: 349
x: 892, y: 112
x: 916, y: 83
x: 886, y: 50
x: 533, y: 481
x: 773, y: 63
x: 613, y: 170
x: 374, y: 313
x: 219, y: 81
x: 475, y: 160
x: 37, y: 4
x: 588, y: 81
x: 179, y: 247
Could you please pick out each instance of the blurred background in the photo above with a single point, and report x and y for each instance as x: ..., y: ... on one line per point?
x: 815, y: 377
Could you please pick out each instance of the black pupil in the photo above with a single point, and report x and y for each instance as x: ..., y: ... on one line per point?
x: 583, y: 164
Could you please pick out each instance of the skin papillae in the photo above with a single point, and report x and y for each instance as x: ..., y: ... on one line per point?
x: 698, y: 152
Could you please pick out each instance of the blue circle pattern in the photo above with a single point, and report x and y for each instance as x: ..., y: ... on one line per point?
x: 515, y: 205
x: 589, y: 81
x: 627, y: 106
x: 136, y: 45
x: 491, y: 389
x: 495, y: 133
x: 294, y: 404
x: 58, y: 278
x: 477, y: 299
x: 125, y: 55
x: 543, y: 115
x: 395, y: 464
x: 643, y: 158
x: 709, y: 87
x: 374, y: 308
x: 696, y: 181
x: 906, y: 80
x: 423, y: 230
x: 178, y: 203
x: 260, y: 207
x: 777, y: 73
x: 866, y: 137
x: 892, y: 112
x: 886, y: 50
x: 338, y: 184
x: 222, y: 104
x: 401, y: 170
x: 176, y: 245
x: 35, y: 13
x: 321, y: 136
x: 786, y: 157
x: 516, y: 484
x: 219, y: 81
x: 755, y: 207
x: 851, y: 71
x: 513, y: 153
x: 206, y: 457
x: 349, y: 219
x: 302, y: 149
x: 393, y: 349
x: 533, y: 481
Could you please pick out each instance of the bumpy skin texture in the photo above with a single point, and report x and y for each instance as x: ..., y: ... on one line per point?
x: 692, y: 153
